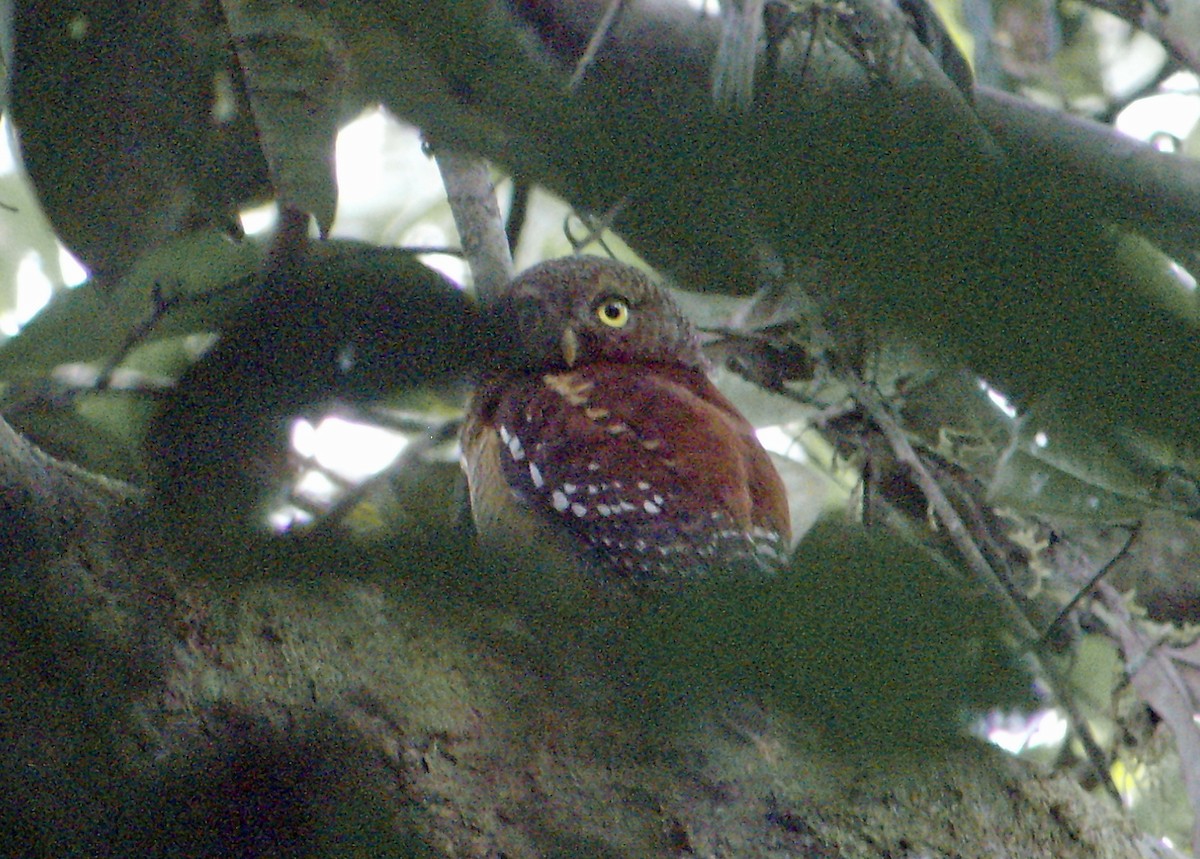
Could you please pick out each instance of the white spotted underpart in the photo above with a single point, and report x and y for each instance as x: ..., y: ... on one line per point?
x: 515, y: 448
x: 558, y: 454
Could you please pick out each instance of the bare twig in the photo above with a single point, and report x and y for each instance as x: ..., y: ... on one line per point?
x: 160, y: 306
x: 1091, y: 583
x: 1160, y: 685
x: 611, y: 14
x: 518, y: 211
x: 957, y: 530
x: 472, y: 198
x: 596, y: 226
x: 417, y: 448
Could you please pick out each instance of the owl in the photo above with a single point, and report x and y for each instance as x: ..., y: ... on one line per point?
x: 603, y: 440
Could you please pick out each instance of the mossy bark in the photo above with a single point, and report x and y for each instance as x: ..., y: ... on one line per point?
x: 415, y: 700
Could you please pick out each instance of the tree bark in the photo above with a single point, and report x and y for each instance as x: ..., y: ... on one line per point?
x: 417, y: 701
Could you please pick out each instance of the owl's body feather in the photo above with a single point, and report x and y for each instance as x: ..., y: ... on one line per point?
x: 609, y: 440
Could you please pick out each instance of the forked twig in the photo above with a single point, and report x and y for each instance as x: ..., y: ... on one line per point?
x: 595, y: 228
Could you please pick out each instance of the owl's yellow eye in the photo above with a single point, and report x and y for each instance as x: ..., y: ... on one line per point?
x: 613, y: 312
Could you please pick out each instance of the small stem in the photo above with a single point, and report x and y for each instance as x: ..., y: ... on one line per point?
x: 951, y: 521
x: 472, y: 199
x: 593, y: 47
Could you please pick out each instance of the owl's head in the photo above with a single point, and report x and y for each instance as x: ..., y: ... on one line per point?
x: 580, y: 310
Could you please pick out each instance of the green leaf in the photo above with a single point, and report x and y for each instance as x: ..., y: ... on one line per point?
x: 95, y: 431
x: 125, y: 130
x: 294, y: 69
x: 1060, y: 468
x: 198, y: 280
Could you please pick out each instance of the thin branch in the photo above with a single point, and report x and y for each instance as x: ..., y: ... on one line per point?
x: 945, y: 511
x: 596, y: 227
x: 417, y: 448
x: 161, y: 305
x: 611, y: 14
x: 1087, y: 588
x: 1160, y: 685
x: 472, y: 199
x: 518, y: 211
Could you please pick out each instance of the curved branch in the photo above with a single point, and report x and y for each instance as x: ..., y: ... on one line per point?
x: 1080, y: 164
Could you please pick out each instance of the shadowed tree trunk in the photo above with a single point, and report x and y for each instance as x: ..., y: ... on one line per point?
x: 413, y: 702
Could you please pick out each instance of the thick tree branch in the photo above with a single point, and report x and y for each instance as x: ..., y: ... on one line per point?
x: 326, y: 702
x: 1084, y: 165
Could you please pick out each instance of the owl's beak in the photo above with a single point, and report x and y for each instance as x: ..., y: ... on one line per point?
x: 569, y: 343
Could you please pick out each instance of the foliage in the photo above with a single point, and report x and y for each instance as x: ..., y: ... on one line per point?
x: 886, y: 250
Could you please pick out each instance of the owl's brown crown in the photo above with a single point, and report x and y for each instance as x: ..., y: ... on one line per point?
x: 612, y: 312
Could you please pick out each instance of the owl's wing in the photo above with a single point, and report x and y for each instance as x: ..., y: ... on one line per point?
x: 648, y: 470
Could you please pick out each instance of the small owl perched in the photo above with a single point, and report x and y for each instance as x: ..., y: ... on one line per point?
x: 606, y: 440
